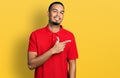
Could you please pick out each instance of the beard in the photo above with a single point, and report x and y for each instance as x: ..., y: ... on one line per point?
x: 55, y: 23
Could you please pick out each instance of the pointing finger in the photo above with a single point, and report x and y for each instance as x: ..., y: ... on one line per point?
x: 64, y: 42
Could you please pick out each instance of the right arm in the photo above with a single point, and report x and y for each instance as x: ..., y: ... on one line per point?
x: 35, y: 61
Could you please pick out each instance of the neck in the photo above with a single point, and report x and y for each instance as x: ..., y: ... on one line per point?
x: 54, y: 28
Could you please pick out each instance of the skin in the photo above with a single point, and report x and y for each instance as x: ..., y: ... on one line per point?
x: 56, y: 15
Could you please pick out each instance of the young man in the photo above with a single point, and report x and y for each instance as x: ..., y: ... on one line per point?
x: 52, y: 48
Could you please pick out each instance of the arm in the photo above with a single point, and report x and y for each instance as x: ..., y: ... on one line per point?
x: 72, y: 68
x: 35, y: 61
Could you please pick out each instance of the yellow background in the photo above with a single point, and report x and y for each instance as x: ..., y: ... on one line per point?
x: 95, y: 24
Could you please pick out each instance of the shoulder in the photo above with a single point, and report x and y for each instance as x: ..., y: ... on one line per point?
x: 38, y: 31
x: 68, y: 33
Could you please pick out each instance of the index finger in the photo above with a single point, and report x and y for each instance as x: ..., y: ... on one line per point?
x: 64, y: 42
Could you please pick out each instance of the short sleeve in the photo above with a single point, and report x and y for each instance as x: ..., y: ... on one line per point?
x: 32, y: 47
x: 73, y: 53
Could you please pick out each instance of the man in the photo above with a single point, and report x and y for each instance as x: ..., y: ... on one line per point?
x: 52, y: 48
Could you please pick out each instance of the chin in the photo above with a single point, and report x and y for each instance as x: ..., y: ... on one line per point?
x: 55, y: 23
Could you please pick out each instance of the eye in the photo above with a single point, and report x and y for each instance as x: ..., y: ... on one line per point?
x: 62, y: 12
x: 54, y: 10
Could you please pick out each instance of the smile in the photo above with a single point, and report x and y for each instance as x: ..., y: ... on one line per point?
x: 57, y: 18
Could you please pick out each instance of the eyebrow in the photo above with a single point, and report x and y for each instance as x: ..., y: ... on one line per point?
x: 56, y: 9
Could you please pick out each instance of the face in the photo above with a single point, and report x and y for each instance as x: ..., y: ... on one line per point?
x: 56, y: 14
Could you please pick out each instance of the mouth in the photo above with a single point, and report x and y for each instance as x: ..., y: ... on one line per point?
x: 57, y: 18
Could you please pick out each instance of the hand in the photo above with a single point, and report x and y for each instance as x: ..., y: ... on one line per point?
x: 59, y: 46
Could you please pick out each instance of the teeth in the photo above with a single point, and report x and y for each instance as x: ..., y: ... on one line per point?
x: 56, y: 18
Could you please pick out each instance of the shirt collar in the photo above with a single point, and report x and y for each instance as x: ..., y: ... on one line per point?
x: 49, y: 31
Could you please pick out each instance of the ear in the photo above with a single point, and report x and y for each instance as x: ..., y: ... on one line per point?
x: 48, y: 13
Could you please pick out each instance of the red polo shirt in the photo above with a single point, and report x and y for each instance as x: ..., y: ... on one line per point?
x: 56, y: 66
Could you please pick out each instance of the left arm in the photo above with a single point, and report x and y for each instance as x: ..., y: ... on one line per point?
x: 72, y: 68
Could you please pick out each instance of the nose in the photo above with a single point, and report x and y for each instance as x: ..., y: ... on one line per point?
x: 58, y: 13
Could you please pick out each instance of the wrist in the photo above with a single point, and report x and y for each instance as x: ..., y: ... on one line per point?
x: 52, y: 51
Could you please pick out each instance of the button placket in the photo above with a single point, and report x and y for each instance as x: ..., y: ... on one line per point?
x: 54, y: 37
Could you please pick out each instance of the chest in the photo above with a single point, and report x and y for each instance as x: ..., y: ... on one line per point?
x: 47, y: 41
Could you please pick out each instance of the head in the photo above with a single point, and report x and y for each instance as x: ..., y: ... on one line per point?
x: 56, y: 13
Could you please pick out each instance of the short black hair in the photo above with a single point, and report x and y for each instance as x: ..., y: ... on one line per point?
x: 53, y: 4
